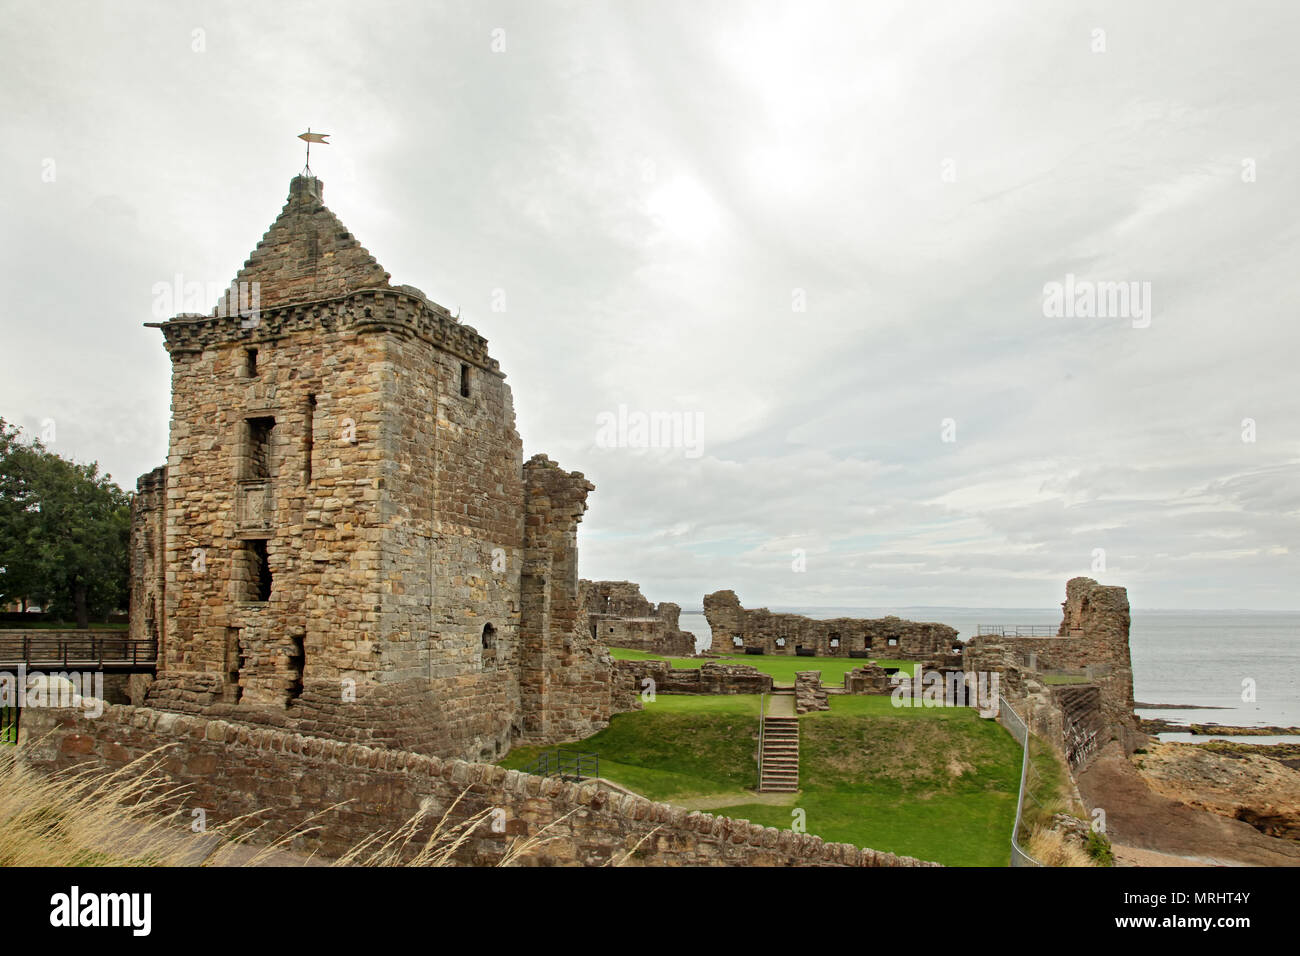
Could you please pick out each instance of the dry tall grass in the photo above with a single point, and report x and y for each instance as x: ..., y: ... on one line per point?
x: 89, y: 817
x: 1051, y: 848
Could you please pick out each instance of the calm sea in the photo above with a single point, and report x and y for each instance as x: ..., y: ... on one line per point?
x: 1179, y: 657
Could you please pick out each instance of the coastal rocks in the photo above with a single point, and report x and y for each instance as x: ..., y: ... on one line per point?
x: 1254, y: 789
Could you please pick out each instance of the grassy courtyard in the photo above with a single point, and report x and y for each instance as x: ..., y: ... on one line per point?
x: 935, y: 783
x: 781, y: 667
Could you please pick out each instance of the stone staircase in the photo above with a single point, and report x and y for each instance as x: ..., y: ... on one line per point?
x: 779, y: 759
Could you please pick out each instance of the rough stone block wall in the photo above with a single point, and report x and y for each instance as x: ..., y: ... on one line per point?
x: 1083, y: 725
x: 890, y: 638
x: 1093, y: 637
x: 809, y: 694
x: 566, y: 676
x: 867, y: 679
x: 232, y: 770
x: 364, y: 440
x: 709, y: 678
x: 619, y: 616
x: 985, y: 655
x: 148, y: 557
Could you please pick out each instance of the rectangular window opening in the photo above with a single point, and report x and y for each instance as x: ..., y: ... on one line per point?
x: 259, y: 448
x: 464, y: 381
x: 298, y: 665
x: 250, y: 362
x: 310, y: 425
x: 235, y: 661
x: 257, y: 579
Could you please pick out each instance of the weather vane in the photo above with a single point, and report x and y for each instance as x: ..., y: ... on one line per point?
x: 311, y: 137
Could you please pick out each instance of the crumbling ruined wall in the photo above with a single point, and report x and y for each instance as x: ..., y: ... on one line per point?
x: 566, y: 676
x: 736, y: 629
x: 619, y: 616
x: 148, y: 557
x: 345, y: 550
x: 232, y: 770
x: 867, y: 679
x: 710, y: 678
x: 809, y: 695
x: 1093, y: 640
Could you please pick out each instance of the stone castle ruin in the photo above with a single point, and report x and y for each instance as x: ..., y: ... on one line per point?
x: 619, y: 616
x: 363, y: 595
x: 346, y: 540
x: 737, y: 630
x: 1091, y: 647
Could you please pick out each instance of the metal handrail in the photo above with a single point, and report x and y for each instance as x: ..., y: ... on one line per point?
x: 1019, y: 730
x: 762, y: 702
x: 573, y: 765
x: 1019, y: 630
x: 9, y: 717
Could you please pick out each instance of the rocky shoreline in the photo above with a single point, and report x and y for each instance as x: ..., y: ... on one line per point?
x: 1158, y: 725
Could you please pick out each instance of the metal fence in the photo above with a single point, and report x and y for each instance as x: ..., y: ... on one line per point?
x: 1019, y: 630
x: 9, y: 725
x: 1009, y: 719
x: 574, y: 765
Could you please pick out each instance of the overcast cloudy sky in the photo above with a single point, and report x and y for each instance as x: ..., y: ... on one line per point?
x: 821, y: 232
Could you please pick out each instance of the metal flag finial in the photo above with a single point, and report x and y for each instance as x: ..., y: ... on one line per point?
x: 311, y: 137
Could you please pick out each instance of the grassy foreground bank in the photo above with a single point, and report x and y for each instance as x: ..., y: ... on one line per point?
x: 935, y: 783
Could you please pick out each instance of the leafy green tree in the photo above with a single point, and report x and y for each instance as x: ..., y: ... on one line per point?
x: 64, y: 532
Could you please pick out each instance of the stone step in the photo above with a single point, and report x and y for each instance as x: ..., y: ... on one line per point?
x: 779, y: 759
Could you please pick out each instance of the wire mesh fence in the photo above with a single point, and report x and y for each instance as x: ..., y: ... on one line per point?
x: 1009, y: 719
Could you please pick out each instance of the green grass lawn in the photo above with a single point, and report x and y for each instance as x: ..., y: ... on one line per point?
x: 680, y: 746
x: 935, y: 783
x: 781, y: 667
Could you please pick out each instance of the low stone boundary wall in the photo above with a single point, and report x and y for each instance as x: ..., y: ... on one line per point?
x: 867, y: 679
x: 235, y: 769
x: 709, y: 678
x: 809, y: 693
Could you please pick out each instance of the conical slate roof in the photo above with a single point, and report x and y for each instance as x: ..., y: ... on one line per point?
x: 308, y: 253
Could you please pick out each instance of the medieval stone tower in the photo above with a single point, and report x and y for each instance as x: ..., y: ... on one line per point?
x: 345, y: 539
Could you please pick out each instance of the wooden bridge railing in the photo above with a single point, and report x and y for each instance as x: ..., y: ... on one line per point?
x: 71, y: 649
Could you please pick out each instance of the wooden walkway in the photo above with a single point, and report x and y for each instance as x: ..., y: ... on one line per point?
x: 76, y: 650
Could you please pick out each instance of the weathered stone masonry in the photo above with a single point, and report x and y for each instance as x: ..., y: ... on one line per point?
x: 619, y: 616
x: 232, y: 769
x: 352, y: 544
x: 1094, y: 639
x: 737, y: 630
x: 148, y: 556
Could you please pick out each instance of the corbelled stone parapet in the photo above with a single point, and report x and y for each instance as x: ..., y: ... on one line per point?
x: 368, y: 310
